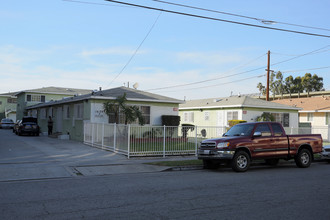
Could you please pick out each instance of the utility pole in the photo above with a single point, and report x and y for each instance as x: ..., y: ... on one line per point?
x: 268, y: 70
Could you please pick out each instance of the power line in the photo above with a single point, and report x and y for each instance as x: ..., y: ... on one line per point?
x: 305, y: 54
x: 294, y: 55
x: 265, y: 21
x: 317, y: 68
x: 93, y: 3
x: 137, y: 49
x: 219, y: 84
x: 217, y: 19
x: 263, y: 67
x: 213, y: 79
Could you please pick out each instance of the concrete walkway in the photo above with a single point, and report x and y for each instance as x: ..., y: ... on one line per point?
x: 34, y: 158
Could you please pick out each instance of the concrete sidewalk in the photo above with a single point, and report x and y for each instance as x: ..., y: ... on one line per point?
x: 35, y: 158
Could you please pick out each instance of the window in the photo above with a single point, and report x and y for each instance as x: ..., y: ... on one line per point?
x: 283, y: 118
x: 277, y: 129
x: 66, y: 110
x: 11, y: 100
x: 35, y: 98
x: 145, y: 110
x: 327, y: 118
x: 310, y: 116
x: 232, y: 116
x: 264, y: 129
x: 145, y: 113
x: 79, y: 111
x: 188, y: 117
x: 206, y: 116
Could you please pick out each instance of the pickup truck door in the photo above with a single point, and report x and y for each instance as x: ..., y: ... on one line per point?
x: 280, y: 140
x: 261, y: 145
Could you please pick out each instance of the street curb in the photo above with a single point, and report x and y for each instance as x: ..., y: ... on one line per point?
x: 184, y: 168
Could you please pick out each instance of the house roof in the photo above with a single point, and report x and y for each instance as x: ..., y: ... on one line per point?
x: 111, y: 94
x: 10, y: 94
x: 233, y: 102
x: 56, y: 90
x: 311, y: 104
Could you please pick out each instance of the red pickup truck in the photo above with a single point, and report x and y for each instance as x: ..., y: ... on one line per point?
x: 259, y: 140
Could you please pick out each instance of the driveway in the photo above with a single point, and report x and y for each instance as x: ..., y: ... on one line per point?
x: 30, y: 157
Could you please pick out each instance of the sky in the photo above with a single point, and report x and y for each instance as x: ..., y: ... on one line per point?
x: 88, y: 44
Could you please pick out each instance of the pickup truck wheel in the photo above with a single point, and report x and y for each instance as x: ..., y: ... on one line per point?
x: 240, y: 162
x: 303, y: 158
x: 210, y: 164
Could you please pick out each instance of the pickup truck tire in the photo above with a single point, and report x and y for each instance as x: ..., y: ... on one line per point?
x: 241, y: 161
x: 303, y: 158
x: 210, y: 164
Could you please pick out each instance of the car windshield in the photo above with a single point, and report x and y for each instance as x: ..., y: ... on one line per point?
x: 240, y: 130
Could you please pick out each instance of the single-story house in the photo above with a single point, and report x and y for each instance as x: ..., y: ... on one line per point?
x: 69, y: 114
x: 315, y: 110
x: 218, y: 111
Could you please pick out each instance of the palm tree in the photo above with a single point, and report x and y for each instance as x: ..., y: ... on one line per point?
x: 130, y: 112
x: 261, y: 88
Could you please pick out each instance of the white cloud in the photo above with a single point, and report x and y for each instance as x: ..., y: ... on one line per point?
x: 26, y: 69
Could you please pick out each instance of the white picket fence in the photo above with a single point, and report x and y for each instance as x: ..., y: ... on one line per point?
x: 134, y: 140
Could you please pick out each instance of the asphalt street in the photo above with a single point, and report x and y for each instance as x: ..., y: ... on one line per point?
x: 45, y: 178
x: 33, y: 158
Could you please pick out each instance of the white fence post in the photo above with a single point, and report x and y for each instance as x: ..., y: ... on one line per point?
x: 128, y: 141
x: 84, y: 131
x: 114, y: 136
x: 164, y: 142
x: 102, y: 135
x: 196, y: 140
x: 93, y: 135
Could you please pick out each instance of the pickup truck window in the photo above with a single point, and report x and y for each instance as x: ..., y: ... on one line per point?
x: 264, y: 129
x: 240, y: 130
x: 277, y: 129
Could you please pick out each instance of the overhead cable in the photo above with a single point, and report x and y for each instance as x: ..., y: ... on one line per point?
x: 213, y: 79
x: 265, y: 21
x: 219, y: 84
x: 137, y: 49
x: 217, y: 19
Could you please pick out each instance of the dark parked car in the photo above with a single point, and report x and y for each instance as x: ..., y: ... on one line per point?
x: 28, y: 125
x: 6, y: 123
x: 326, y: 153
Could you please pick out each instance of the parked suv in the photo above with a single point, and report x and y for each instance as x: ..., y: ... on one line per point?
x: 28, y: 125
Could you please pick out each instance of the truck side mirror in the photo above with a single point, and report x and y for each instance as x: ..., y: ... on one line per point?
x: 257, y: 134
